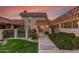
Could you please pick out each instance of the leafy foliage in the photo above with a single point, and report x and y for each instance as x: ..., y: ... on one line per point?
x: 21, y: 33
x: 33, y: 34
x: 8, y: 33
x: 64, y: 40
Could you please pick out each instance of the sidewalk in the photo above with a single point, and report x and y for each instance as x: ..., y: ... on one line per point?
x: 46, y: 45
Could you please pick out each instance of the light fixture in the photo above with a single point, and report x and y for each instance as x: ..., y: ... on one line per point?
x: 30, y: 17
x: 78, y: 22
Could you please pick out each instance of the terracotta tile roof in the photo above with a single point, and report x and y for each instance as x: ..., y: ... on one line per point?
x: 26, y: 14
x: 9, y: 21
x: 18, y: 22
x: 42, y: 21
x: 67, y: 16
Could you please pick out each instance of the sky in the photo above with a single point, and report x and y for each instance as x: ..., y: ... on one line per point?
x: 53, y: 12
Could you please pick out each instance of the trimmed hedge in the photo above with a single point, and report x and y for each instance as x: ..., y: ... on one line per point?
x: 72, y: 35
x: 33, y: 34
x: 76, y: 42
x: 63, y: 40
x: 21, y: 33
x: 8, y: 33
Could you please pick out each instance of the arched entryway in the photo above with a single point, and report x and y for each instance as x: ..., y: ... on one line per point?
x: 42, y: 28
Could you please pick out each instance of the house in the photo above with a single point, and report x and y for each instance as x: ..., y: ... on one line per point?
x: 42, y: 25
x: 69, y: 22
x: 30, y: 20
x: 6, y: 23
x: 34, y: 20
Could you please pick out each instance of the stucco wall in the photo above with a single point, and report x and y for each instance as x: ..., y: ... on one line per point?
x: 33, y: 20
x: 75, y: 31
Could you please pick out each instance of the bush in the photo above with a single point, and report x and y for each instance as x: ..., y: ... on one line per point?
x: 72, y: 35
x: 76, y: 42
x: 8, y: 33
x: 32, y: 34
x: 21, y: 33
x: 62, y: 40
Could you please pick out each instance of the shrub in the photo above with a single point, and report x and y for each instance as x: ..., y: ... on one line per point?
x: 62, y: 40
x: 76, y: 42
x: 32, y: 34
x: 21, y: 33
x: 72, y: 35
x: 8, y: 33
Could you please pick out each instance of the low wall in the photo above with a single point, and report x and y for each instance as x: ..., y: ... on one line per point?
x: 75, y: 31
x: 15, y: 33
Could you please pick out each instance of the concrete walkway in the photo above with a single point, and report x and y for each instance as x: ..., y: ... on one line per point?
x: 46, y: 45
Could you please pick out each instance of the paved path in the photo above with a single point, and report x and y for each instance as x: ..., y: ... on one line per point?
x: 46, y: 45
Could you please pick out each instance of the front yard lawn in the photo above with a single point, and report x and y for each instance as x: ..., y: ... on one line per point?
x: 19, y: 46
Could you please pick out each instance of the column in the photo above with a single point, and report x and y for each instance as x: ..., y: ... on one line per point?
x: 1, y: 34
x: 26, y: 30
x: 26, y: 33
x: 71, y: 24
x: 15, y: 33
x: 37, y: 30
x: 50, y: 30
x: 59, y: 26
x: 78, y: 24
x: 12, y: 26
x: 62, y: 25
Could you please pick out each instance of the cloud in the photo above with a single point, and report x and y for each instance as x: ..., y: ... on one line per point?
x: 52, y: 11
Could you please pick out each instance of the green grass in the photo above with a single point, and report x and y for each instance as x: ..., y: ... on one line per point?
x: 19, y: 46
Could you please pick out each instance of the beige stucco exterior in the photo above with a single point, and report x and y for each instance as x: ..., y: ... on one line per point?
x: 69, y: 22
x: 32, y: 22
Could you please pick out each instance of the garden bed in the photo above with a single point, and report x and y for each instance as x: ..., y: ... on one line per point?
x: 19, y: 46
x: 66, y: 41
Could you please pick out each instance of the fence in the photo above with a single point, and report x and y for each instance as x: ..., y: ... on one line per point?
x: 12, y: 33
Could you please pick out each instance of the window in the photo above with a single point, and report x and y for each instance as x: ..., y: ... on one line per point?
x: 67, y: 25
x: 75, y: 25
x: 57, y: 26
x: 62, y: 25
